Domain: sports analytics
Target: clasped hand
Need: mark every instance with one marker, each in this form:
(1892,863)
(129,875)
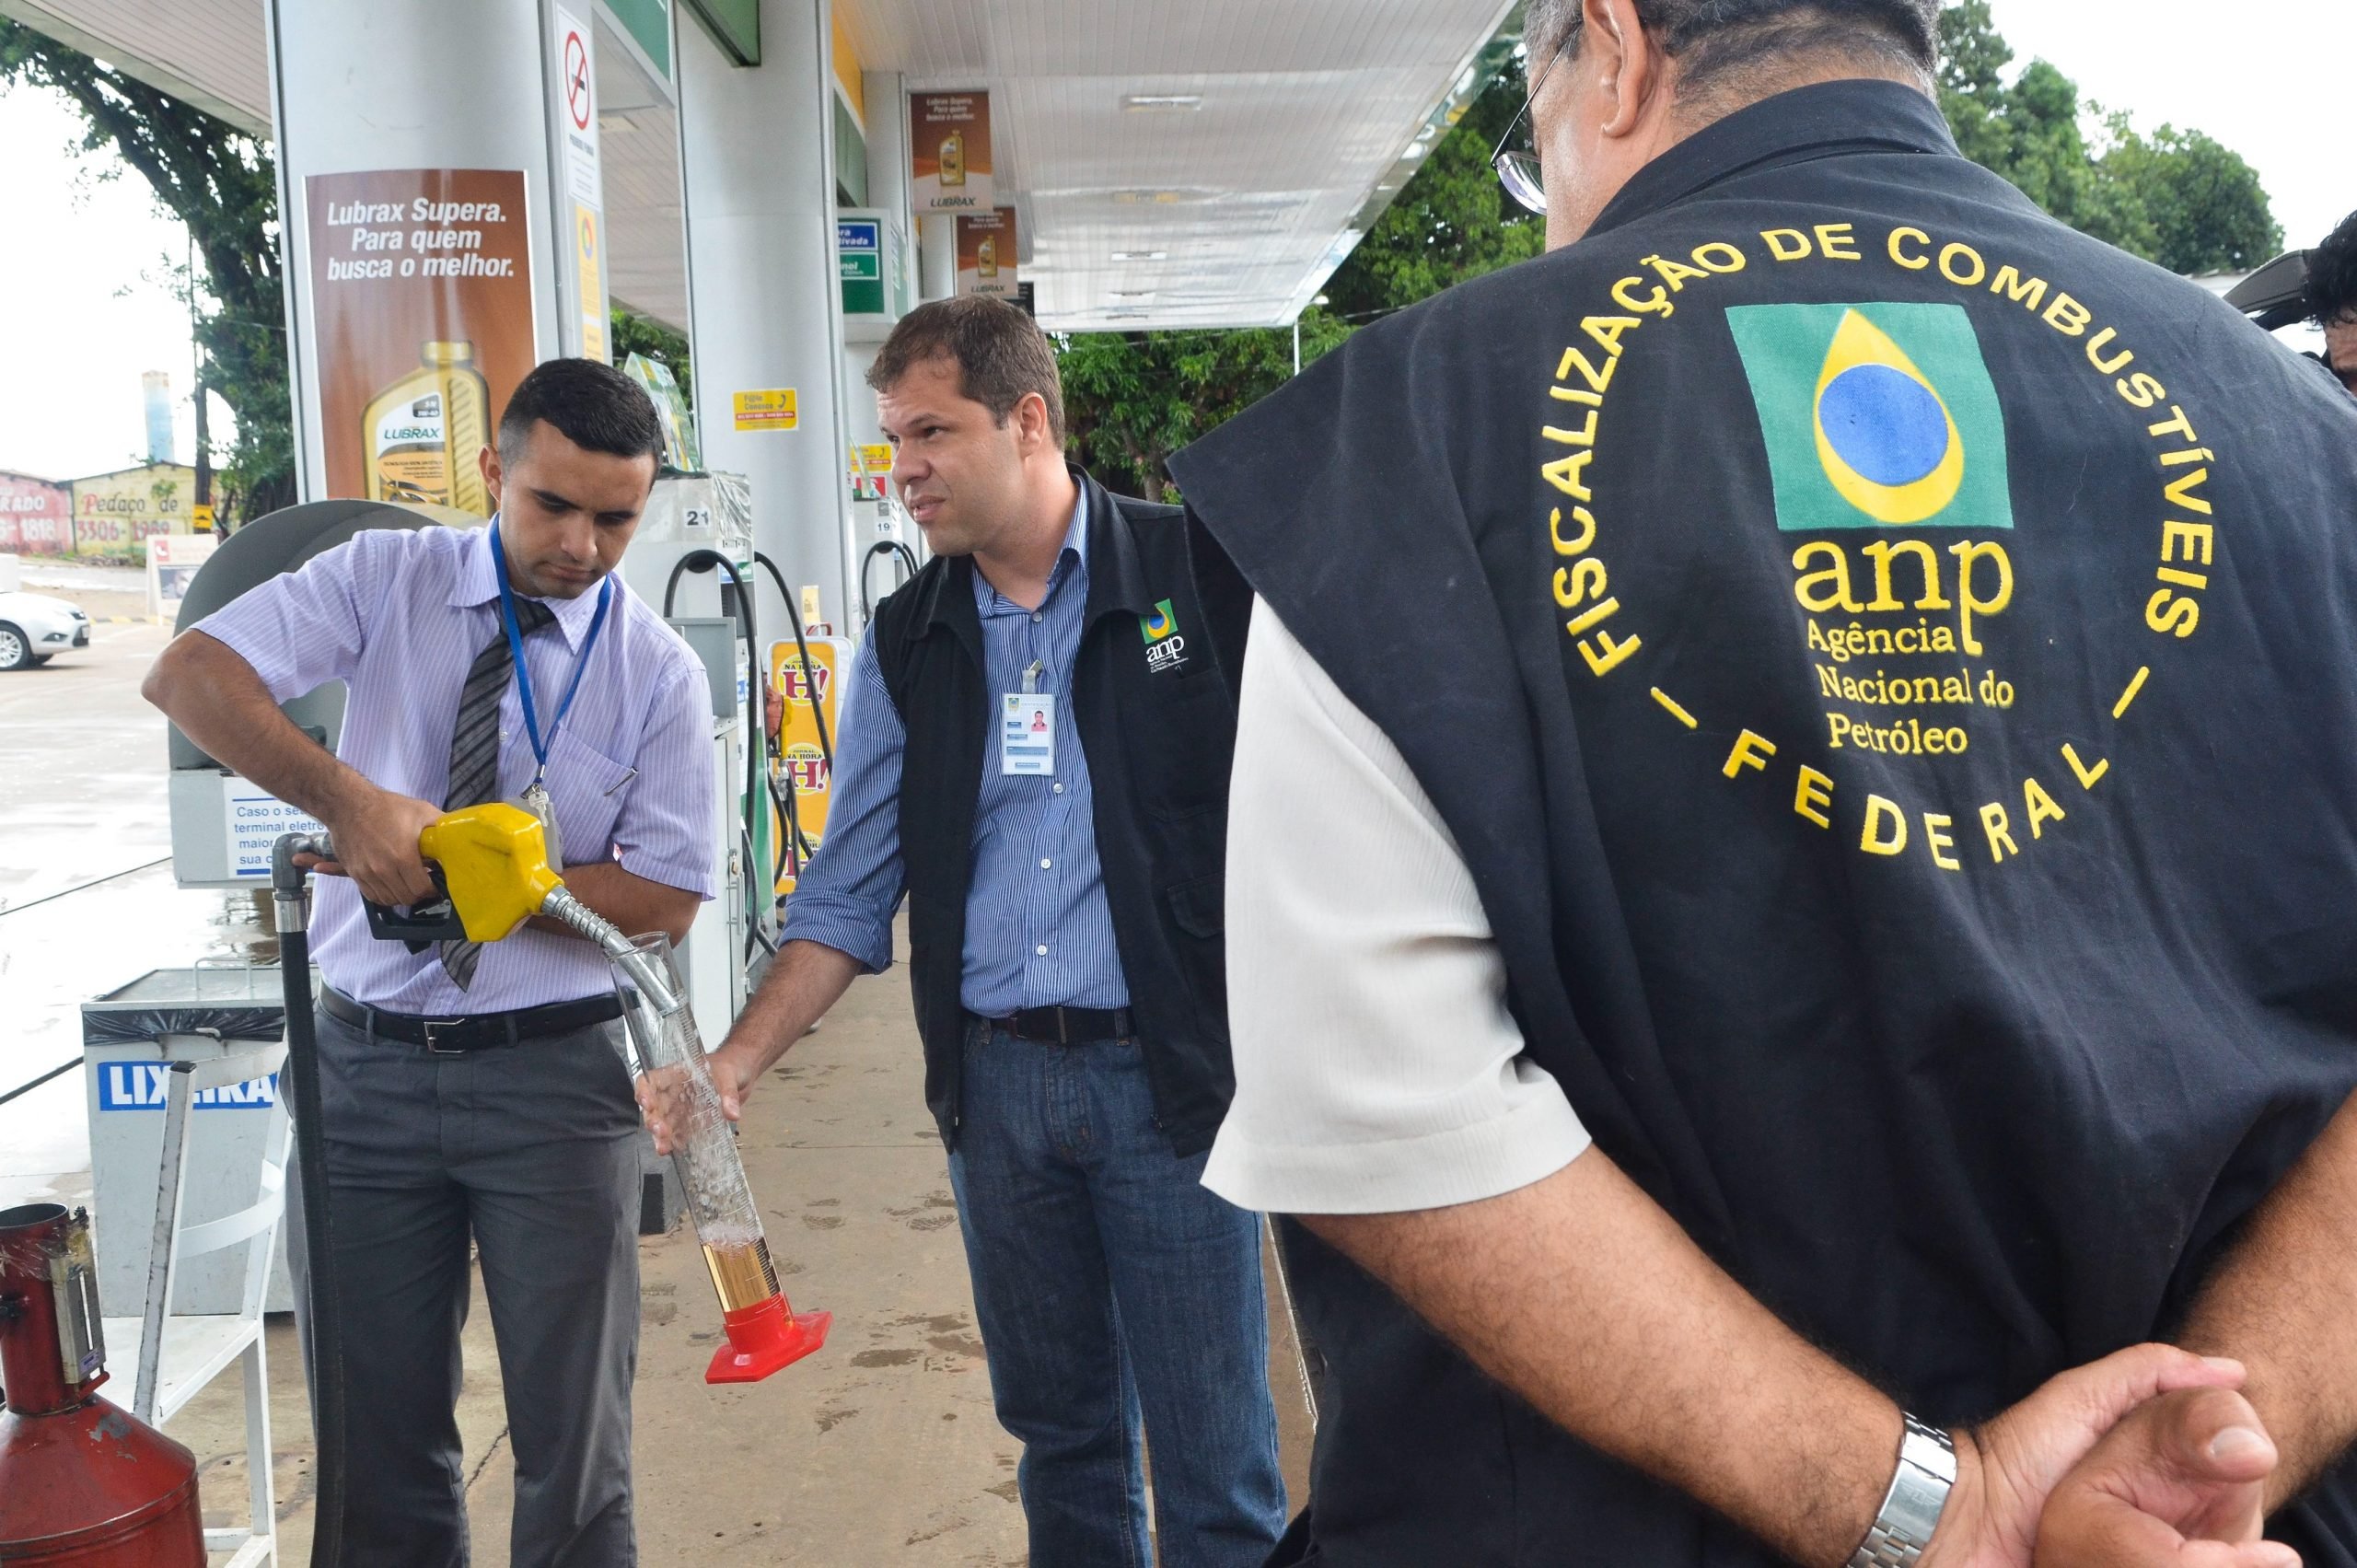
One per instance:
(2148,1458)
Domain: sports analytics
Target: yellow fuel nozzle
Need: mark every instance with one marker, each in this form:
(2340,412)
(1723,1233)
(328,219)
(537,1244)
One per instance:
(495,864)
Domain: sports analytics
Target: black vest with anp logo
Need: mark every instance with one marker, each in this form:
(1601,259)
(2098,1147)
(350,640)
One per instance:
(1896,693)
(1155,701)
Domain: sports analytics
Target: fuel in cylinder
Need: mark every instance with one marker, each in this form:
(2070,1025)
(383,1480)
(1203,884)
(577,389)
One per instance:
(764,1332)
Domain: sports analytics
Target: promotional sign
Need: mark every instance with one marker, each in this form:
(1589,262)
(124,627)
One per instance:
(775,408)
(949,151)
(574,56)
(801,758)
(173,560)
(421,308)
(112,512)
(986,253)
(36,516)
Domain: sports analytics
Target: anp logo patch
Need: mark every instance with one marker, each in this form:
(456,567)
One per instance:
(1161,623)
(1876,415)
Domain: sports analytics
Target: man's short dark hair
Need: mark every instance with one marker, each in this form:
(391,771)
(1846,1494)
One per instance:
(1000,354)
(2332,276)
(592,405)
(1715,41)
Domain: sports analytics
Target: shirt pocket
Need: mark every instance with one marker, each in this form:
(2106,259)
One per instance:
(588,788)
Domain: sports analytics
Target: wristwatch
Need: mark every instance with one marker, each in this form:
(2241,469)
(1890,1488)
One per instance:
(1918,1493)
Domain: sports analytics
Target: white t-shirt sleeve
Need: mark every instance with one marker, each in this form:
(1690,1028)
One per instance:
(1377,1069)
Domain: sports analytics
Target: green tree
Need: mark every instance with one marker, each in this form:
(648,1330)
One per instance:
(1134,398)
(1453,222)
(222,184)
(2176,198)
(2203,204)
(634,333)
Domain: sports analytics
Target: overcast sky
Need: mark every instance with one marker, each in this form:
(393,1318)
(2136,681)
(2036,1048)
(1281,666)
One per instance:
(84,263)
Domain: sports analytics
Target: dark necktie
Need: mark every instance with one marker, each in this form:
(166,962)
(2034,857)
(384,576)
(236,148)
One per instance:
(474,749)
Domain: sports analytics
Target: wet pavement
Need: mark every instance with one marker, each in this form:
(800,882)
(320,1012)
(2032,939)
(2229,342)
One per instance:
(87,899)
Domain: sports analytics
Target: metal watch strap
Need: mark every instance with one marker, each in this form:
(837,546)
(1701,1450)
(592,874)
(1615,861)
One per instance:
(1919,1492)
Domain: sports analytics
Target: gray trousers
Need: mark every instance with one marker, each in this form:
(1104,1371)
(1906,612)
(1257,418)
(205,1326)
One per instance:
(531,1151)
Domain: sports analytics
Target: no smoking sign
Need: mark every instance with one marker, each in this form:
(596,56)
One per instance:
(578,84)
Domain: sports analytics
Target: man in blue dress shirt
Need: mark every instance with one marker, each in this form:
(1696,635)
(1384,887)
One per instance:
(1036,752)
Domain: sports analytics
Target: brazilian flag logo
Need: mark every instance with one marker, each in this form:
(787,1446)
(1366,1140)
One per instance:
(1876,416)
(1161,623)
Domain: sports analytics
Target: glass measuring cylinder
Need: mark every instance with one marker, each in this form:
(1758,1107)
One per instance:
(764,1332)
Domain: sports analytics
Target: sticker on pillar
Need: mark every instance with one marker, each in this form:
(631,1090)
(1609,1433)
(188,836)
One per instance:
(772,410)
(589,281)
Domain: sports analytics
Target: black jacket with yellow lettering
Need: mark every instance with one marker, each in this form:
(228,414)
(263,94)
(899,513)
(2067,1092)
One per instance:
(1889,661)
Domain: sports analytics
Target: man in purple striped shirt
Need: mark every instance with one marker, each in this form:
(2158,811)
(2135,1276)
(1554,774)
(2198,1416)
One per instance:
(480,1091)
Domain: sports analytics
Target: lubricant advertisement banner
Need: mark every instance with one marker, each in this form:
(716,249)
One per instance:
(949,149)
(422,301)
(986,253)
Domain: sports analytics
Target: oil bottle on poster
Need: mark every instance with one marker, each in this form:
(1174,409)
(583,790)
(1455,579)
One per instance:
(953,159)
(421,433)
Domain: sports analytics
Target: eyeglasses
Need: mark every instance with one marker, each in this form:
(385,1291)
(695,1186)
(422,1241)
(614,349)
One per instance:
(1518,171)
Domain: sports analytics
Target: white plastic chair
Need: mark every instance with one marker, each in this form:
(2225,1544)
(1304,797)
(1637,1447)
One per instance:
(178,1354)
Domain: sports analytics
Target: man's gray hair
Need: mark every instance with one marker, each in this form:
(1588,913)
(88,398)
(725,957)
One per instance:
(1714,40)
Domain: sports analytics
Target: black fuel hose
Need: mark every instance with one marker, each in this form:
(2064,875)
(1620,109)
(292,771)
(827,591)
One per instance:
(885,546)
(326,1363)
(802,644)
(757,741)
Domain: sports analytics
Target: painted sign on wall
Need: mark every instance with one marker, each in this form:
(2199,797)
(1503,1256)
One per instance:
(36,516)
(112,512)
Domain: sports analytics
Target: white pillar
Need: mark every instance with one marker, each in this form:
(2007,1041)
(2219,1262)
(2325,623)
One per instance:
(381,85)
(885,94)
(937,256)
(758,172)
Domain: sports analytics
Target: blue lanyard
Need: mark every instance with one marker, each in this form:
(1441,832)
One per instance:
(523,671)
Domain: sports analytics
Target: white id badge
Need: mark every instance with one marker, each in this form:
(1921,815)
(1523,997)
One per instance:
(1026,735)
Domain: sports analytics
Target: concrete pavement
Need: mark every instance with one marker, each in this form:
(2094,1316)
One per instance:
(881,1449)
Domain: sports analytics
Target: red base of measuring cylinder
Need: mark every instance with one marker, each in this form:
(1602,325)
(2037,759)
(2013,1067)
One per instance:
(764,1337)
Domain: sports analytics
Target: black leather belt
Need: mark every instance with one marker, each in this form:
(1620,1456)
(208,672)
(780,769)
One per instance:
(1068,1026)
(477,1031)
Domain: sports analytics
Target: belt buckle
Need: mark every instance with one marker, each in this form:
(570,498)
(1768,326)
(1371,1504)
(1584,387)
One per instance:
(434,1047)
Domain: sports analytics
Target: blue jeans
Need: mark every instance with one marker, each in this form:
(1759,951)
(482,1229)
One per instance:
(1110,1284)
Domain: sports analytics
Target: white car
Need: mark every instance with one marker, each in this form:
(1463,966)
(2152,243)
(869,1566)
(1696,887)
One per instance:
(34,627)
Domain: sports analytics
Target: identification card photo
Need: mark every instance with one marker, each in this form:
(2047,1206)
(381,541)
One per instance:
(1026,735)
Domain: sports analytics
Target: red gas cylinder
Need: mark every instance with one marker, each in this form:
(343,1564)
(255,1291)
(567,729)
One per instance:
(81,1481)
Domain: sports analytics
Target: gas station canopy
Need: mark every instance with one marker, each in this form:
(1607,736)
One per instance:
(1173,162)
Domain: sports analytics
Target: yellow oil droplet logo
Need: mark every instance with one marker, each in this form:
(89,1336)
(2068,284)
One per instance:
(1885,435)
